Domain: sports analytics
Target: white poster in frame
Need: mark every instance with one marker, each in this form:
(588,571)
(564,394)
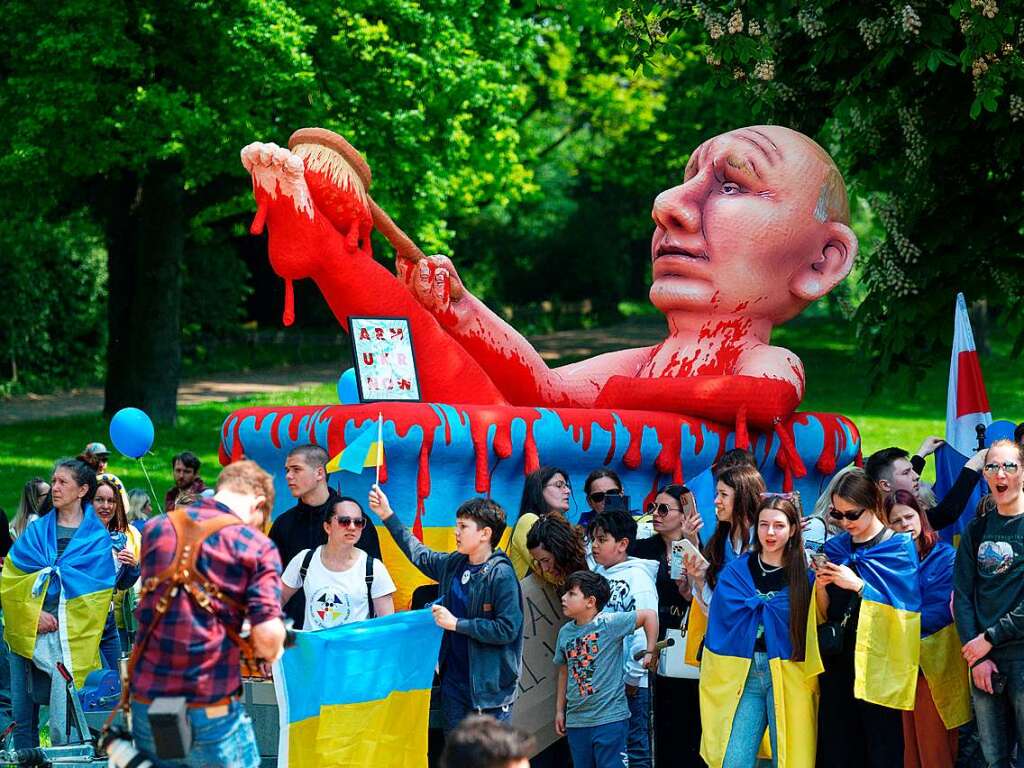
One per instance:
(385,362)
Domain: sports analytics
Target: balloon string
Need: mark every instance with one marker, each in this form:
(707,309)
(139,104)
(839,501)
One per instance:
(155,497)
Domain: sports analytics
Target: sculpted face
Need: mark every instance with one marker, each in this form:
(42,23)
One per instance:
(749,231)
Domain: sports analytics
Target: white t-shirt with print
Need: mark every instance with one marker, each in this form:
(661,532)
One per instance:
(336,597)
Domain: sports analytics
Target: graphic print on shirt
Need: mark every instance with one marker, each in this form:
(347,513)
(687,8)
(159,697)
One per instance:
(331,607)
(621,600)
(581,653)
(995,557)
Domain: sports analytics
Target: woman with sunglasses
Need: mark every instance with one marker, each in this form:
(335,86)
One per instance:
(760,655)
(989,604)
(599,485)
(546,491)
(943,701)
(340,584)
(867,590)
(676,699)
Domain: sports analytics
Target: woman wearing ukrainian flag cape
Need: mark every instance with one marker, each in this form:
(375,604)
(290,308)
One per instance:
(869,594)
(943,701)
(56,588)
(760,664)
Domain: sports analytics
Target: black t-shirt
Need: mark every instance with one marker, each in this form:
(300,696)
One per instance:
(302,527)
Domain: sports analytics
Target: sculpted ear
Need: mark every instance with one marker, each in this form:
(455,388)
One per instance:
(828,266)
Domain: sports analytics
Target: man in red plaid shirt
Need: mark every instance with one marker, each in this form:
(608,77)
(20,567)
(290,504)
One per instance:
(189,651)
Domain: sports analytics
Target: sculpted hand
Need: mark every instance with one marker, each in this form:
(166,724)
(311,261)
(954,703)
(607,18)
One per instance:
(444,618)
(982,675)
(976,649)
(435,282)
(379,503)
(47,623)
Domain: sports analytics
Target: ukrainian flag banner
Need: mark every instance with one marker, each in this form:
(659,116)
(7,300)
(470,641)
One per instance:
(887,650)
(83,577)
(737,611)
(358,694)
(941,662)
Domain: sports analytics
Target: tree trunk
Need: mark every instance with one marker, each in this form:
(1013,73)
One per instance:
(145,225)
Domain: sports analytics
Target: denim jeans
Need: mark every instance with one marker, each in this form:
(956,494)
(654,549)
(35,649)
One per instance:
(755,712)
(638,742)
(110,643)
(226,741)
(23,709)
(456,706)
(6,714)
(599,746)
(1000,717)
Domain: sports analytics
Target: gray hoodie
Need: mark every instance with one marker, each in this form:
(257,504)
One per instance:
(633,589)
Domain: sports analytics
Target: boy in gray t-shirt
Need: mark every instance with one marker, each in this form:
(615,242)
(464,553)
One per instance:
(591,708)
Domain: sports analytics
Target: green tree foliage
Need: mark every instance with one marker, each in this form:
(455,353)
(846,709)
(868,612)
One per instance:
(921,103)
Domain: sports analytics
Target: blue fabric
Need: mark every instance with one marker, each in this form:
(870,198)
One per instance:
(456,668)
(936,576)
(110,644)
(948,463)
(599,746)
(638,742)
(455,706)
(216,742)
(1000,717)
(24,710)
(754,713)
(889,569)
(6,716)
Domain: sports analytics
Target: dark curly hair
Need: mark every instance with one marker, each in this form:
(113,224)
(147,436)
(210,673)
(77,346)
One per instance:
(563,540)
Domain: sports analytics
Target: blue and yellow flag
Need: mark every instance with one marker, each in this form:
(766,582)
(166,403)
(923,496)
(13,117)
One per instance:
(941,662)
(737,611)
(358,694)
(83,577)
(364,451)
(887,650)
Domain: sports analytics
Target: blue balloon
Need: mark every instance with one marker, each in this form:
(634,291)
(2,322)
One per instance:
(131,432)
(348,390)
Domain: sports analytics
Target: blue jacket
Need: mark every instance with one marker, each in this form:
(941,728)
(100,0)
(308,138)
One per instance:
(495,623)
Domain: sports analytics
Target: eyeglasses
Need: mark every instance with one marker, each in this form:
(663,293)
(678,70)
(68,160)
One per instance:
(661,510)
(351,522)
(598,496)
(1009,467)
(855,514)
(559,484)
(789,496)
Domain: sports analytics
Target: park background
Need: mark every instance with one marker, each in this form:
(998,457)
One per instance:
(526,139)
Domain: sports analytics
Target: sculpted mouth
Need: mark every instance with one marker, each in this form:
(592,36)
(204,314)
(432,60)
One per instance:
(669,249)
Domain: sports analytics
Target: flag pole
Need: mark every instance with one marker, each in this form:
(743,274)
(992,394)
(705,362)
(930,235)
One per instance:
(380,444)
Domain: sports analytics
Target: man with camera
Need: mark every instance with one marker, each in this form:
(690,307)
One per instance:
(206,570)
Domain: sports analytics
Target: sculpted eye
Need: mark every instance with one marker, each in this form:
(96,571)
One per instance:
(731,188)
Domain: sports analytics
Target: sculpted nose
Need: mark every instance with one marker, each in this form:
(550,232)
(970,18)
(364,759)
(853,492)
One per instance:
(677,208)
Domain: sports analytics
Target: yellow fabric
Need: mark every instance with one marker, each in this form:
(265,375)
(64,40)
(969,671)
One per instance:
(947,675)
(722,679)
(405,575)
(696,628)
(84,632)
(135,545)
(517,550)
(384,733)
(887,655)
(21,610)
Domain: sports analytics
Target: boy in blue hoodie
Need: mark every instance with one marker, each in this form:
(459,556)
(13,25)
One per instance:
(632,583)
(479,606)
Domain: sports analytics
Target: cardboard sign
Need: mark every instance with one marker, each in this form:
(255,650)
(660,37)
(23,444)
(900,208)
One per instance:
(534,710)
(385,363)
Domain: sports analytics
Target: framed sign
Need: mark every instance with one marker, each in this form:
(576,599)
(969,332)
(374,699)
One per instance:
(385,362)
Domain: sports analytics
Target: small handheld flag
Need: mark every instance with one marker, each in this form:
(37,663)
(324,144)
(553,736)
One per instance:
(362,452)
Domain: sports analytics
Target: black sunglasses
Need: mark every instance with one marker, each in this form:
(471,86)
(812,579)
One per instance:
(835,514)
(351,522)
(598,496)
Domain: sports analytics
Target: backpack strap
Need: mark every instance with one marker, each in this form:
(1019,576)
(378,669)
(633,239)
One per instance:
(304,568)
(369,586)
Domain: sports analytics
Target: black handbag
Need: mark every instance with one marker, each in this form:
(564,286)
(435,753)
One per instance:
(832,634)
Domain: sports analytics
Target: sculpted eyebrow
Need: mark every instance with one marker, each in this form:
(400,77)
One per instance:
(756,145)
(743,165)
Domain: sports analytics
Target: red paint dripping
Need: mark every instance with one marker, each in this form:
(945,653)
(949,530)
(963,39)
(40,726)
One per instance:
(633,456)
(503,439)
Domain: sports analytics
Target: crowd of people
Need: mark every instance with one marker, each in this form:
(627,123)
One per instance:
(680,647)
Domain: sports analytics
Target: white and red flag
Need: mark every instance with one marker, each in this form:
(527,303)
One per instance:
(966,400)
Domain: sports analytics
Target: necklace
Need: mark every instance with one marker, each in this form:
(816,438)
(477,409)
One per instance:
(766,571)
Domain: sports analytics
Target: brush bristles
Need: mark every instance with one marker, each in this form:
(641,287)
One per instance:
(331,164)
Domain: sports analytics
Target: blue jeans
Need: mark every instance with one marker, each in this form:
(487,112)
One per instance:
(455,706)
(110,643)
(23,709)
(755,711)
(6,714)
(226,741)
(638,742)
(1000,717)
(599,746)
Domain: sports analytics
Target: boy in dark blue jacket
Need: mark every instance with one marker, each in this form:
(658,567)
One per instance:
(479,606)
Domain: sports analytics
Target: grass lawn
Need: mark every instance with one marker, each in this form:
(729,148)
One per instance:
(837,381)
